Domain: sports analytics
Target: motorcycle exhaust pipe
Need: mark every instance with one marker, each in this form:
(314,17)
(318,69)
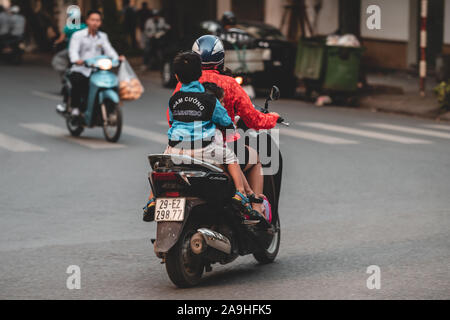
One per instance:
(206,237)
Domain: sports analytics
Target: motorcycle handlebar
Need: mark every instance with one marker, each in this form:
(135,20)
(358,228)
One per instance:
(280,120)
(283,122)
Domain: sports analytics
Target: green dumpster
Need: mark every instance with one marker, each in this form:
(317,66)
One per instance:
(328,68)
(310,55)
(342,68)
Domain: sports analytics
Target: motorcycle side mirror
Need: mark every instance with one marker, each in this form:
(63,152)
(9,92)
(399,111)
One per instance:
(273,96)
(274,93)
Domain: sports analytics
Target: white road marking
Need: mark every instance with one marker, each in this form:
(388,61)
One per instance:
(412,130)
(54,131)
(437,126)
(146,134)
(364,133)
(17,145)
(163,123)
(315,137)
(46,95)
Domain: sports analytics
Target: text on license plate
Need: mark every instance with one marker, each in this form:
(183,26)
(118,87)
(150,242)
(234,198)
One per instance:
(171,209)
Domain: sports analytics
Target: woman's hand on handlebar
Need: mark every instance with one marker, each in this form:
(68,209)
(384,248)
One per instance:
(275,114)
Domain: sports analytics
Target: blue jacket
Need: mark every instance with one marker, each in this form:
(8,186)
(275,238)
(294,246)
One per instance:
(194,114)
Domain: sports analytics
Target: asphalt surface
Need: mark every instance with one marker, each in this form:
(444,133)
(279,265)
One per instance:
(364,193)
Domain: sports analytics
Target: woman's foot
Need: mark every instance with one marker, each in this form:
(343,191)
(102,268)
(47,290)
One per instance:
(257,202)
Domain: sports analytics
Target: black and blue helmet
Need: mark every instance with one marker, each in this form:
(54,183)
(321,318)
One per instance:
(211,50)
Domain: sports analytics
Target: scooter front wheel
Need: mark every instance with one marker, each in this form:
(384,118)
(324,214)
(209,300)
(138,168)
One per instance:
(112,126)
(74,127)
(269,255)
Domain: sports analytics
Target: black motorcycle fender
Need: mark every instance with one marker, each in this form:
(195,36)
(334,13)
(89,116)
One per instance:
(168,233)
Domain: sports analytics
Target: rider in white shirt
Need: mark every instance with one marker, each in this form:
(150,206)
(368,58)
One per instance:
(86,44)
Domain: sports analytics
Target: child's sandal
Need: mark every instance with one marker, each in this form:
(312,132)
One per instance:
(149,210)
(241,202)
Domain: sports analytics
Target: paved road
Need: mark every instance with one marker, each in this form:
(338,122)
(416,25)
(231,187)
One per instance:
(359,189)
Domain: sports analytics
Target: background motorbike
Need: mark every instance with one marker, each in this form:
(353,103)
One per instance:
(196,224)
(12,50)
(102,105)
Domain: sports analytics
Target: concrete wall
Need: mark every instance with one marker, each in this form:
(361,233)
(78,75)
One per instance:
(326,22)
(390,46)
(447,22)
(223,6)
(394,20)
(385,54)
(274,12)
(328,18)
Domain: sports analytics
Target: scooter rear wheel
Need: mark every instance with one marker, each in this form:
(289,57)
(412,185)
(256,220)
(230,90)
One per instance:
(184,268)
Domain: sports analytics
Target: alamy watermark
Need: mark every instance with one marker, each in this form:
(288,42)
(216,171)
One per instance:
(374,280)
(73,282)
(373,22)
(250,147)
(73,17)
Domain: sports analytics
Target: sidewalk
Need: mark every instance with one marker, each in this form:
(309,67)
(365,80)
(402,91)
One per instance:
(399,93)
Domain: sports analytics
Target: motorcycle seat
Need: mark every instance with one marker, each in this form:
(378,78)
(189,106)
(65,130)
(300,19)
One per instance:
(172,160)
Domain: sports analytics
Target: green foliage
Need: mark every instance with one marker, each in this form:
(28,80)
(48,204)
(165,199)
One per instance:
(443,93)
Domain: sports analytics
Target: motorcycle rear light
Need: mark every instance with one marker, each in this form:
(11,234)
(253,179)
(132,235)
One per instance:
(164,176)
(172,194)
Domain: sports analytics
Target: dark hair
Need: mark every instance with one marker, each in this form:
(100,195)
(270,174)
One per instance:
(91,12)
(225,71)
(214,89)
(187,66)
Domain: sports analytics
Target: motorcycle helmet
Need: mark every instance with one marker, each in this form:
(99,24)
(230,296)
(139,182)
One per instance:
(228,19)
(211,50)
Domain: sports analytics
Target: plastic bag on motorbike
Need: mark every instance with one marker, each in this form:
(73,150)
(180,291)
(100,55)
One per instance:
(130,88)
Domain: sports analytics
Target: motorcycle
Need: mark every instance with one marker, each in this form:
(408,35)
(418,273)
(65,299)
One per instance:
(102,103)
(196,224)
(12,50)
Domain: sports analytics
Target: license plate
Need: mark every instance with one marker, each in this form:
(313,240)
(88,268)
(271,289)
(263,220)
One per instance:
(171,209)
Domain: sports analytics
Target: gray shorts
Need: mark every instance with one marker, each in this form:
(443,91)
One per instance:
(213,153)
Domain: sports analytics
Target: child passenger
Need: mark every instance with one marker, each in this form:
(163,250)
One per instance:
(195,115)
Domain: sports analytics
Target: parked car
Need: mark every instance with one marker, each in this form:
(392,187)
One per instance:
(257,54)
